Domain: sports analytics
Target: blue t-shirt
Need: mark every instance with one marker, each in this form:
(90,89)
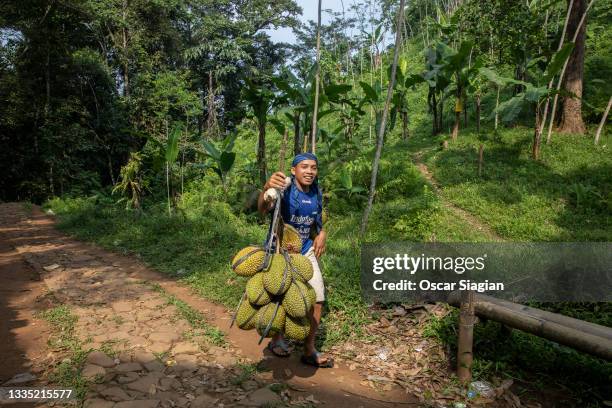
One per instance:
(302,210)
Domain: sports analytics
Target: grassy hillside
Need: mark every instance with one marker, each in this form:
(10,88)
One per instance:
(565,196)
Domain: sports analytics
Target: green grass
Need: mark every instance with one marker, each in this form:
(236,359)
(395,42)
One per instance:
(62,322)
(247,371)
(565,196)
(562,197)
(196,244)
(68,372)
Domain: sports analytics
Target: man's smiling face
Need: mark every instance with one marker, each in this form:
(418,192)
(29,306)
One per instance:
(305,172)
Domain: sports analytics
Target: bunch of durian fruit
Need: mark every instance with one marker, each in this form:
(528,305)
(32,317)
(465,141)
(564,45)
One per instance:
(278,297)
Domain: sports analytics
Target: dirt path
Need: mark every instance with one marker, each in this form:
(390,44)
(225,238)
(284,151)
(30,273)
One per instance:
(460,212)
(142,352)
(23,337)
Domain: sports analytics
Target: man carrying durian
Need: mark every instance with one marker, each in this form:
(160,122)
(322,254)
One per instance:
(302,208)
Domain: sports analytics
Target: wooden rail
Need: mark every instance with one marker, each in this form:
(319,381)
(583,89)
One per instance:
(584,336)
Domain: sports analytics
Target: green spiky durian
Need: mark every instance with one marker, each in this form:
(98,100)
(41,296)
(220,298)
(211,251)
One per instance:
(312,294)
(266,314)
(292,241)
(246,315)
(278,277)
(301,267)
(248,261)
(256,293)
(297,302)
(297,328)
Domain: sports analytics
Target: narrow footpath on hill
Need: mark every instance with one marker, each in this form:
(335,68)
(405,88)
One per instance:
(458,211)
(144,340)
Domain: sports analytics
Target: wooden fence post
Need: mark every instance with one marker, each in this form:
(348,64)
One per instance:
(466,337)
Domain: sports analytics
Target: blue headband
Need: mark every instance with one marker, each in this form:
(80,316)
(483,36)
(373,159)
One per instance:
(303,156)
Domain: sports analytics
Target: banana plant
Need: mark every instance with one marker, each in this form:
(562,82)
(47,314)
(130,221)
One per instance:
(461,72)
(346,186)
(223,157)
(373,96)
(500,83)
(536,92)
(437,81)
(297,97)
(297,100)
(404,83)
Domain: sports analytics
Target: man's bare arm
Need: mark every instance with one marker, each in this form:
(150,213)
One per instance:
(319,243)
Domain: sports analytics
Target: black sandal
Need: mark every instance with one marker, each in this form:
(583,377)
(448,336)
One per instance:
(313,358)
(286,350)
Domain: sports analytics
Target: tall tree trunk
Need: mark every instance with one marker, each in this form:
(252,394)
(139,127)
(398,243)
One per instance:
(571,115)
(537,135)
(126,81)
(550,84)
(562,74)
(465,111)
(434,108)
(168,174)
(168,187)
(496,107)
(440,113)
(383,121)
(283,151)
(603,121)
(124,35)
(455,132)
(211,119)
(202,115)
(405,132)
(51,180)
(47,84)
(458,109)
(35,132)
(261,152)
(478,114)
(296,133)
(182,163)
(517,75)
(313,143)
(109,162)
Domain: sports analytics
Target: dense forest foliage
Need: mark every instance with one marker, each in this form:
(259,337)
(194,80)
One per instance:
(150,126)
(89,87)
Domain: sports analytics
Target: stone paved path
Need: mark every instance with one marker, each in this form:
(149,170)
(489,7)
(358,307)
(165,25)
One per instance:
(141,353)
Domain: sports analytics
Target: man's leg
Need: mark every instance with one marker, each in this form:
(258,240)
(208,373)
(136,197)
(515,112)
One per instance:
(309,343)
(314,315)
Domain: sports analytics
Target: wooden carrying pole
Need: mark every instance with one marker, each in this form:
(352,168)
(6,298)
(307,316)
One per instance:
(281,168)
(584,336)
